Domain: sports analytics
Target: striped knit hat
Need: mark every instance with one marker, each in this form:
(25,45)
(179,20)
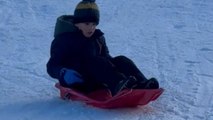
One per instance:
(86,11)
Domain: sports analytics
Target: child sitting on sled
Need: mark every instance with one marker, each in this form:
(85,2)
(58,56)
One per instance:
(79,56)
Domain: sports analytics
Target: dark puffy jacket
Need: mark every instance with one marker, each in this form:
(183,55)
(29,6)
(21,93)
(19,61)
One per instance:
(70,49)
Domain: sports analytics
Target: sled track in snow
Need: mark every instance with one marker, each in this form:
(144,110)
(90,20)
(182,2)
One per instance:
(191,83)
(205,55)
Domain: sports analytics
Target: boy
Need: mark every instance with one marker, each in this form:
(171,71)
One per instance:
(80,58)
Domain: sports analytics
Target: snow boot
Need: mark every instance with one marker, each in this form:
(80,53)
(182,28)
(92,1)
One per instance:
(148,84)
(124,84)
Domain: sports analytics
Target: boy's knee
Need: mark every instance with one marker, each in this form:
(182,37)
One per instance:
(121,58)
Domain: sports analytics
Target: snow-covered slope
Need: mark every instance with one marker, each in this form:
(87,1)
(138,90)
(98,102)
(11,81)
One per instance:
(170,40)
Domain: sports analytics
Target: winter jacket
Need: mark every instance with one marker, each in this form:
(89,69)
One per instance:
(70,49)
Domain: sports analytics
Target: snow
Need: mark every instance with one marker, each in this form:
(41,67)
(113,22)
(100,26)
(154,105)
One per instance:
(167,39)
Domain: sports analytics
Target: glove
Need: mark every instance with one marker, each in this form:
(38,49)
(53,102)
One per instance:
(71,76)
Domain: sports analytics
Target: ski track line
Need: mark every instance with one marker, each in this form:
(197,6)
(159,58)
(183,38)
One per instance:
(201,93)
(26,11)
(205,96)
(4,9)
(33,73)
(5,13)
(166,67)
(196,91)
(177,87)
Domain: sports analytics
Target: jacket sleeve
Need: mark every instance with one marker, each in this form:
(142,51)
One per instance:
(57,52)
(105,50)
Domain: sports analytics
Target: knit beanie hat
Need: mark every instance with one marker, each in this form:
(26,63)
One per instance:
(86,11)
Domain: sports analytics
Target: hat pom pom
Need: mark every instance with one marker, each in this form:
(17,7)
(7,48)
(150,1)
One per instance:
(89,0)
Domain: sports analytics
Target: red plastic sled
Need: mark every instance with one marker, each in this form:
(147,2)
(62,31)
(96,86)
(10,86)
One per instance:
(103,98)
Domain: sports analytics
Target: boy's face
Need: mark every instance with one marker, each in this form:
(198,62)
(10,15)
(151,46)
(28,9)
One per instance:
(87,28)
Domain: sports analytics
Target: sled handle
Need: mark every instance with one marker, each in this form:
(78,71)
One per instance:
(121,94)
